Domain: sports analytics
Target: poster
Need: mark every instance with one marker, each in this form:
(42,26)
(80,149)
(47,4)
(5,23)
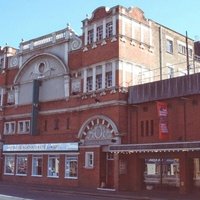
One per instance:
(163,120)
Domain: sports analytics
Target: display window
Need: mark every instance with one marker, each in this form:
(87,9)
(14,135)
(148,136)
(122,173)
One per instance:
(37,163)
(9,165)
(53,166)
(71,166)
(21,168)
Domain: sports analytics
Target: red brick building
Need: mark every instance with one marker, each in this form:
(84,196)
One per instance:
(74,107)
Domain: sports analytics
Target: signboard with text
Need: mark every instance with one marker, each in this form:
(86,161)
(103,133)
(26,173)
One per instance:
(41,147)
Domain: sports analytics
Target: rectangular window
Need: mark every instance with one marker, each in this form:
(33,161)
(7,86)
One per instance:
(9,165)
(89,84)
(53,166)
(109,79)
(21,168)
(71,166)
(89,159)
(37,165)
(9,127)
(24,126)
(181,49)
(99,82)
(90,36)
(169,46)
(109,29)
(99,33)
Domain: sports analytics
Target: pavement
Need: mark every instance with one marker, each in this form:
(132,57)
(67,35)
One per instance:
(125,195)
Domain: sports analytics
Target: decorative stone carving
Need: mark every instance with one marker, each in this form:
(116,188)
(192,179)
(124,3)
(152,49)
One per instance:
(42,68)
(76,44)
(14,61)
(98,131)
(76,86)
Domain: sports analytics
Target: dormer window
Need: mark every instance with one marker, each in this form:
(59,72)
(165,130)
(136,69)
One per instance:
(99,33)
(90,36)
(109,29)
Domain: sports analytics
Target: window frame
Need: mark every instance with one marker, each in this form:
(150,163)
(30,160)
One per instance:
(25,158)
(99,33)
(89,160)
(55,172)
(11,167)
(89,83)
(169,45)
(11,130)
(34,167)
(68,160)
(109,78)
(24,128)
(182,49)
(109,29)
(90,36)
(98,81)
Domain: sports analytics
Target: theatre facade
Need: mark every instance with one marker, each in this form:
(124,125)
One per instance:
(101,106)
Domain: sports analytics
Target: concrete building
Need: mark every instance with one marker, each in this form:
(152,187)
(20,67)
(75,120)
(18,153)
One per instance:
(66,101)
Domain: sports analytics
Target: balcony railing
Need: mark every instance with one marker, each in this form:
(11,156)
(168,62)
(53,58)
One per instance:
(46,40)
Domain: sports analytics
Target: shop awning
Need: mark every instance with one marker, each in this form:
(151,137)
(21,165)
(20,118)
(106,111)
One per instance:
(156,147)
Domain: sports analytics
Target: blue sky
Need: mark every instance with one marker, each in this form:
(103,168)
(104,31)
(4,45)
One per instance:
(30,19)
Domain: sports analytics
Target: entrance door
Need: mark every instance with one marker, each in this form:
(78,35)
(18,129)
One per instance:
(162,173)
(110,170)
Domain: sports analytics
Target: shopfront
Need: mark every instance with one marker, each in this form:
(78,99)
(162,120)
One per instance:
(39,162)
(160,166)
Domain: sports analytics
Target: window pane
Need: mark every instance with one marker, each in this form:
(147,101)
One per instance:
(109,29)
(9,165)
(37,166)
(71,167)
(169,47)
(89,84)
(27,128)
(53,166)
(99,33)
(90,37)
(99,82)
(89,159)
(21,165)
(109,79)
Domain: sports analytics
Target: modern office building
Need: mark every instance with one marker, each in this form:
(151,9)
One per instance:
(73,107)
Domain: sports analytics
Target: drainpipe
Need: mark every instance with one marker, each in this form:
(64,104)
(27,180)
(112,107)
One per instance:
(160,51)
(187,55)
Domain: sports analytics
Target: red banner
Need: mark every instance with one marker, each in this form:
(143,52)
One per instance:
(163,120)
